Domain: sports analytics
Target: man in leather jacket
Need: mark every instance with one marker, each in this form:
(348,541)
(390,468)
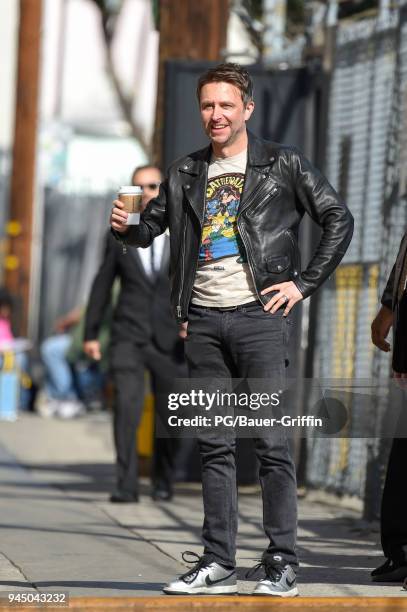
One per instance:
(233,211)
(393,523)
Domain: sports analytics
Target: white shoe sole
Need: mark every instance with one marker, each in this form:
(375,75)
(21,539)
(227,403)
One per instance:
(213,590)
(291,593)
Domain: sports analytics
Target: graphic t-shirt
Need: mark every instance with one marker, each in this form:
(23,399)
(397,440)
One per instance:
(223,277)
(220,236)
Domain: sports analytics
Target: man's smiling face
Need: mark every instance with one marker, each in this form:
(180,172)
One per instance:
(223,113)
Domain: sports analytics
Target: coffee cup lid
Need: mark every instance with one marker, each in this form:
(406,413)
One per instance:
(131,189)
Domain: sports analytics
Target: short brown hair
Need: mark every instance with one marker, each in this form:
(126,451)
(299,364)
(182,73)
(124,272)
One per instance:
(231,73)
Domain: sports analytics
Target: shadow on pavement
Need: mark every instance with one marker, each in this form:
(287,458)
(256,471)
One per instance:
(91,584)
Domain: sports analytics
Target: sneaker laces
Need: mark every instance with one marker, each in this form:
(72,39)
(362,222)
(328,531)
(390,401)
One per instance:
(200,563)
(273,571)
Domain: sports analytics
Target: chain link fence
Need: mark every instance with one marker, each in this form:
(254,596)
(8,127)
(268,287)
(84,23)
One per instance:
(73,228)
(75,225)
(366,162)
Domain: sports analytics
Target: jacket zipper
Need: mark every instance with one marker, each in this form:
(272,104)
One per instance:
(244,237)
(268,195)
(196,264)
(249,252)
(121,241)
(297,262)
(179,309)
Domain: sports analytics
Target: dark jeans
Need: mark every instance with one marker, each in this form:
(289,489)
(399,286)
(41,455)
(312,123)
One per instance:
(128,364)
(245,343)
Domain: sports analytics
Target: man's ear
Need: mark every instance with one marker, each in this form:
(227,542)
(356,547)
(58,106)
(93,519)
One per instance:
(249,110)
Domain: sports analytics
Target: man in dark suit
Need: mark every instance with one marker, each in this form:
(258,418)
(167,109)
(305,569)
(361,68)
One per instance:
(144,335)
(393,312)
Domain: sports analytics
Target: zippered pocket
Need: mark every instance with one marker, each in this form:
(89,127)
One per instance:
(254,207)
(296,255)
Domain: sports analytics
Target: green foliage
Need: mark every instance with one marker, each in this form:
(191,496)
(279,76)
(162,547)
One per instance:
(347,8)
(109,6)
(109,10)
(155,6)
(254,8)
(295,11)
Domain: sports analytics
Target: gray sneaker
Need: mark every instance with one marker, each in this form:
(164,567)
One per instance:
(280,580)
(205,578)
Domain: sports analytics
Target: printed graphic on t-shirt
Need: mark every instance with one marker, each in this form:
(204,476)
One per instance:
(220,236)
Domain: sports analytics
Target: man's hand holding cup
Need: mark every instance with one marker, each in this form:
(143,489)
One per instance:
(126,209)
(118,218)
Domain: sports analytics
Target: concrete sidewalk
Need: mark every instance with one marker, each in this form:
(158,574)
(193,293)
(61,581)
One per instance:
(58,532)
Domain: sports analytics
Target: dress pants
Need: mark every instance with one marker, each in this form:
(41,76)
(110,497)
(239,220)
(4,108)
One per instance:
(128,364)
(394,507)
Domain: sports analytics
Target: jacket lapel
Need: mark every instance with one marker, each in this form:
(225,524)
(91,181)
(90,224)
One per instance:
(195,192)
(257,178)
(137,260)
(195,172)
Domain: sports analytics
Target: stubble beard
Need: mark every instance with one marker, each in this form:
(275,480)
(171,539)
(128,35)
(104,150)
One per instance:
(234,135)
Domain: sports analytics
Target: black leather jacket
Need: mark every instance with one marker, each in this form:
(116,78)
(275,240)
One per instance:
(280,186)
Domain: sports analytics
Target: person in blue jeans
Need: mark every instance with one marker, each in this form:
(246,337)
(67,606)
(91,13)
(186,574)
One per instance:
(59,384)
(66,386)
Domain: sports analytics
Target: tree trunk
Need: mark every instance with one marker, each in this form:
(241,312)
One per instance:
(188,30)
(18,262)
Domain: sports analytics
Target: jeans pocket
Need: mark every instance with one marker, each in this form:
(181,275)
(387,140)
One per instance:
(259,313)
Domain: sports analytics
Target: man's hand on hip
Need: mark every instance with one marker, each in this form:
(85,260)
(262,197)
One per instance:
(381,327)
(288,294)
(118,217)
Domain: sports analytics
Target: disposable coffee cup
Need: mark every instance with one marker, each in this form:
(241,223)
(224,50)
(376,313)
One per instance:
(131,198)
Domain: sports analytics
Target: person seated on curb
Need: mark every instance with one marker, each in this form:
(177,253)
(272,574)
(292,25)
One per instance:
(69,381)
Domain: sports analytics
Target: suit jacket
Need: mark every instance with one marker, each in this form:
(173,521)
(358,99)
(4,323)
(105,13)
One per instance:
(142,313)
(399,307)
